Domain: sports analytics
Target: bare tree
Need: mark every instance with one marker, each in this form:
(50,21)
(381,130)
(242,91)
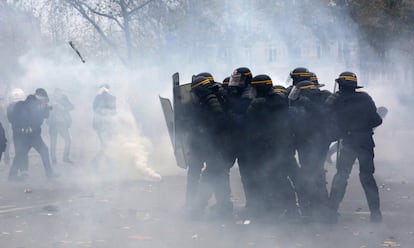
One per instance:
(120,12)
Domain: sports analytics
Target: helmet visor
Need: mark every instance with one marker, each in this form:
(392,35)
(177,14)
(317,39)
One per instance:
(236,80)
(294,93)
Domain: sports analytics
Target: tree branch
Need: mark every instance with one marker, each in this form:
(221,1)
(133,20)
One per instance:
(139,7)
(103,14)
(78,6)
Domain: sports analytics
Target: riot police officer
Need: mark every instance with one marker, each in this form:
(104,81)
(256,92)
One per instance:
(298,75)
(238,99)
(355,115)
(308,121)
(205,140)
(268,137)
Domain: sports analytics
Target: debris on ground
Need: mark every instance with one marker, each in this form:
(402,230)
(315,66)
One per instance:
(389,243)
(50,208)
(139,237)
(28,190)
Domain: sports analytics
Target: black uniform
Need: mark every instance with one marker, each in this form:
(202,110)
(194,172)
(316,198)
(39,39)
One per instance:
(356,116)
(307,113)
(239,96)
(268,138)
(205,141)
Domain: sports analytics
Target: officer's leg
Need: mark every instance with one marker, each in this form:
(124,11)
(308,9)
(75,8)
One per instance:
(213,180)
(304,185)
(321,195)
(53,141)
(42,149)
(331,151)
(248,174)
(220,182)
(195,165)
(282,198)
(222,192)
(64,132)
(291,190)
(366,171)
(346,159)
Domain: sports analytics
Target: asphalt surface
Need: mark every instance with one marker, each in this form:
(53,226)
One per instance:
(85,207)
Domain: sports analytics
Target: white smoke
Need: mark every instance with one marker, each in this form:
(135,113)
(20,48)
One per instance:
(128,148)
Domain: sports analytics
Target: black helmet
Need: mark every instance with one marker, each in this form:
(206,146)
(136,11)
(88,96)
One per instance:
(348,80)
(199,82)
(207,75)
(226,81)
(313,78)
(279,89)
(241,77)
(302,88)
(263,84)
(300,74)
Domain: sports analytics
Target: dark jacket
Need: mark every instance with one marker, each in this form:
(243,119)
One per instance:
(353,112)
(308,114)
(27,116)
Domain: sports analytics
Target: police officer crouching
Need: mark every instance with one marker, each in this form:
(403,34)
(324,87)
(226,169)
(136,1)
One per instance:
(355,115)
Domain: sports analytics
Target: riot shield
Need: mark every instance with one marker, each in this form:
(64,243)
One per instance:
(168,116)
(182,118)
(178,118)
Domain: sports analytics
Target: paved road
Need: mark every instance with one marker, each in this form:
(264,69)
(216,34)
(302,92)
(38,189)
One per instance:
(85,208)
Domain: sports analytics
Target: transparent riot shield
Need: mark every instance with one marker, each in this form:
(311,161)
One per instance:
(178,119)
(168,116)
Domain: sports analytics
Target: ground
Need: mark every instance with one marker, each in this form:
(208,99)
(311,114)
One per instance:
(84,208)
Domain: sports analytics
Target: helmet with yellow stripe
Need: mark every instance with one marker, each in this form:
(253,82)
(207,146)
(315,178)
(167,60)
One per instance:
(241,77)
(208,75)
(300,74)
(263,84)
(313,78)
(302,88)
(200,81)
(348,80)
(280,89)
